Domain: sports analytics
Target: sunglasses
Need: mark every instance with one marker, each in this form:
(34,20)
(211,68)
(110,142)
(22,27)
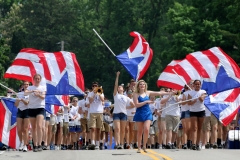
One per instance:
(74,101)
(94,85)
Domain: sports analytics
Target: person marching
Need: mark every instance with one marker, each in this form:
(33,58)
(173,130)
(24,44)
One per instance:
(197,112)
(95,99)
(120,112)
(143,115)
(36,110)
(22,117)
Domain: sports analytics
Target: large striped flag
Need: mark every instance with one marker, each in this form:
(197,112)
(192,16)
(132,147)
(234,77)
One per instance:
(8,121)
(224,105)
(60,69)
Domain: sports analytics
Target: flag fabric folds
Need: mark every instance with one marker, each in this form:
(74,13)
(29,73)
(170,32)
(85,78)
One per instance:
(60,70)
(8,121)
(137,58)
(224,105)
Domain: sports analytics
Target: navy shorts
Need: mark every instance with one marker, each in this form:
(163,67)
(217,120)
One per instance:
(76,128)
(198,114)
(119,116)
(185,114)
(22,114)
(33,113)
(48,119)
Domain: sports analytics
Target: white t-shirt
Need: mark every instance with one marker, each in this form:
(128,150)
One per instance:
(60,117)
(131,112)
(65,114)
(96,106)
(152,107)
(198,106)
(207,112)
(73,111)
(81,104)
(185,107)
(120,103)
(21,105)
(174,110)
(35,101)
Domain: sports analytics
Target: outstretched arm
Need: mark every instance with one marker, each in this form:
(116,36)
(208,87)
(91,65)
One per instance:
(116,83)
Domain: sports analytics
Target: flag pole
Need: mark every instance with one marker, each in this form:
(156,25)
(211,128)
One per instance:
(104,42)
(7,88)
(181,79)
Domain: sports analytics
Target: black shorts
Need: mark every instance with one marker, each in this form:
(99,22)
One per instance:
(198,114)
(48,119)
(22,114)
(33,113)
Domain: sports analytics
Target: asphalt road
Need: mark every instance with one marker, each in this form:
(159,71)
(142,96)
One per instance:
(156,154)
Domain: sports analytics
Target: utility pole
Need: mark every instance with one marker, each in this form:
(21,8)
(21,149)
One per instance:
(62,45)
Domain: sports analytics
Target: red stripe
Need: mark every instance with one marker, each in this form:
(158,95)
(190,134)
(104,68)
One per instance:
(65,99)
(181,71)
(229,118)
(212,57)
(56,108)
(78,72)
(40,54)
(19,77)
(60,60)
(161,83)
(13,137)
(144,70)
(198,66)
(234,65)
(2,118)
(135,41)
(233,96)
(169,69)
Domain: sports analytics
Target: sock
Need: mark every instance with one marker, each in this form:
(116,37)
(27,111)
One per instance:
(101,141)
(223,142)
(83,140)
(93,142)
(218,141)
(87,143)
(106,144)
(97,143)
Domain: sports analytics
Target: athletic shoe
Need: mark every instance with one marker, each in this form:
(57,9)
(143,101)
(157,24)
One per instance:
(220,146)
(128,146)
(96,147)
(39,148)
(198,148)
(35,149)
(194,147)
(20,147)
(119,147)
(215,146)
(173,146)
(168,146)
(185,146)
(25,148)
(207,146)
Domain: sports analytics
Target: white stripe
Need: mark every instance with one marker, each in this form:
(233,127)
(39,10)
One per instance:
(190,70)
(207,65)
(28,56)
(232,107)
(220,97)
(20,70)
(71,70)
(138,49)
(6,126)
(53,68)
(170,77)
(224,61)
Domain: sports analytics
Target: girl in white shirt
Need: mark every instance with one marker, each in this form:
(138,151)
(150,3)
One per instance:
(197,112)
(75,118)
(36,110)
(120,113)
(22,117)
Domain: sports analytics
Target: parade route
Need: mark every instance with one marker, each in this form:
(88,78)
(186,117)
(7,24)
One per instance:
(124,154)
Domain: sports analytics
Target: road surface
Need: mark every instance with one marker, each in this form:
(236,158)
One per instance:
(156,154)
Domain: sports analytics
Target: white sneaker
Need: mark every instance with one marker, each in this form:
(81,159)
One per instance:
(57,148)
(20,147)
(203,147)
(25,148)
(96,147)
